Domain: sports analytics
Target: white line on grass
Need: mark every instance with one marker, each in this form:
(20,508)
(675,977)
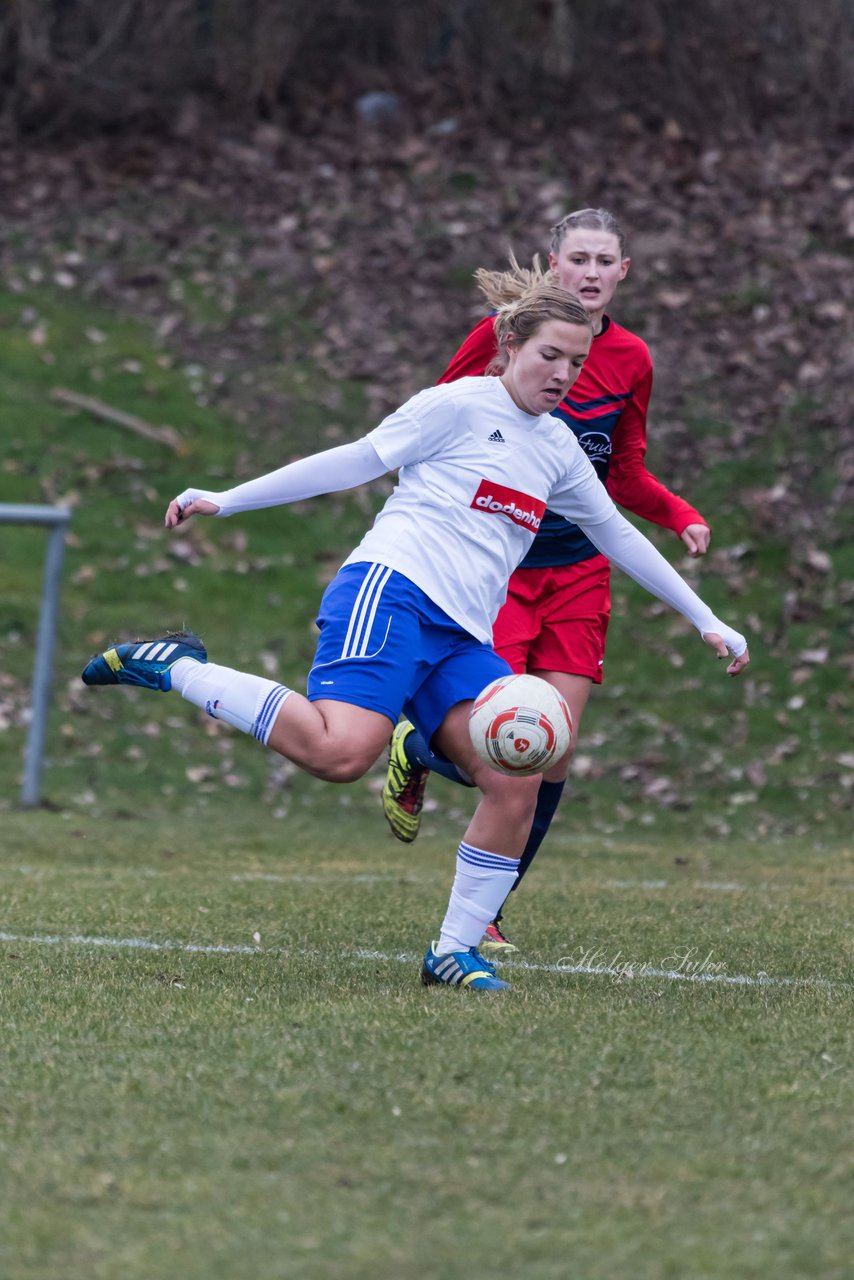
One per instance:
(629,971)
(412,875)
(276,877)
(713,886)
(299,877)
(626,971)
(130,944)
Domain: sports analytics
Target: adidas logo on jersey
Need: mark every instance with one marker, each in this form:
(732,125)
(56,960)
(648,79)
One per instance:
(496,438)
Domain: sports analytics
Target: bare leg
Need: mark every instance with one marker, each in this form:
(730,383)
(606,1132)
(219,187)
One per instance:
(502,819)
(576,690)
(334,741)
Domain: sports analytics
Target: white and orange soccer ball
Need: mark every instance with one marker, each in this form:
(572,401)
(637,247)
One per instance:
(520,725)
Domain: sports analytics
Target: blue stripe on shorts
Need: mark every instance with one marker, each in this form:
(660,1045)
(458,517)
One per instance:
(384,645)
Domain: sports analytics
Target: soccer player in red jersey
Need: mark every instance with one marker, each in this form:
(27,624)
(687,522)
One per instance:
(555,619)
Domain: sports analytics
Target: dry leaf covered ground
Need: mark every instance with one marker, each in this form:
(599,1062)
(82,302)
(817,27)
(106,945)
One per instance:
(357,251)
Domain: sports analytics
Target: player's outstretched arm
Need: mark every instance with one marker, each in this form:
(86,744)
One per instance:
(626,547)
(345,467)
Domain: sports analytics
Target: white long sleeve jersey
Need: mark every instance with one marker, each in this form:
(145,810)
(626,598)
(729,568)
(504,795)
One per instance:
(476,475)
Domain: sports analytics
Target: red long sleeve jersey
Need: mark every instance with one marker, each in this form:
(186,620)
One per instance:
(606,408)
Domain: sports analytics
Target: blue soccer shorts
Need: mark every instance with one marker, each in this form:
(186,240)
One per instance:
(384,645)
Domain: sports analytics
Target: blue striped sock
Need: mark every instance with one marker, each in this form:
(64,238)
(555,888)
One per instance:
(248,703)
(481,884)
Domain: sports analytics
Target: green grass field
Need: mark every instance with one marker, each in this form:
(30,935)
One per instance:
(217,1059)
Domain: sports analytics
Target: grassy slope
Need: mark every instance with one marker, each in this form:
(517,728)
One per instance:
(252,591)
(670,741)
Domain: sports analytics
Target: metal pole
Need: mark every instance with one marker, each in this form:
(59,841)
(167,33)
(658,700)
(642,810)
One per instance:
(43,669)
(59,518)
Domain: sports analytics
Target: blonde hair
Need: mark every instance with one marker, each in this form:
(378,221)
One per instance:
(524,299)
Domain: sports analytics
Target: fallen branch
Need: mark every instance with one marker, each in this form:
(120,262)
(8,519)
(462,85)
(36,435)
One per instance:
(163,435)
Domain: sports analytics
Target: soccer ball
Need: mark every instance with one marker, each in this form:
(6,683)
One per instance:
(520,725)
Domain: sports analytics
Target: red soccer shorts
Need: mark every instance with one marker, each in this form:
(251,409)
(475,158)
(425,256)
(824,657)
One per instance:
(556,619)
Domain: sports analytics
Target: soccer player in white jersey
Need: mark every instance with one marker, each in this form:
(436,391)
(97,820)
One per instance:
(406,625)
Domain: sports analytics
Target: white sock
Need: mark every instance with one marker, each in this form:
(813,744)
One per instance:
(482,882)
(249,703)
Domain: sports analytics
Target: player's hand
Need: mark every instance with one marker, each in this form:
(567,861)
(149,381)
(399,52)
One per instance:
(189,503)
(696,538)
(717,642)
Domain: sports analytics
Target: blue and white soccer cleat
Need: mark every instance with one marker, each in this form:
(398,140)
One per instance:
(460,969)
(144,662)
